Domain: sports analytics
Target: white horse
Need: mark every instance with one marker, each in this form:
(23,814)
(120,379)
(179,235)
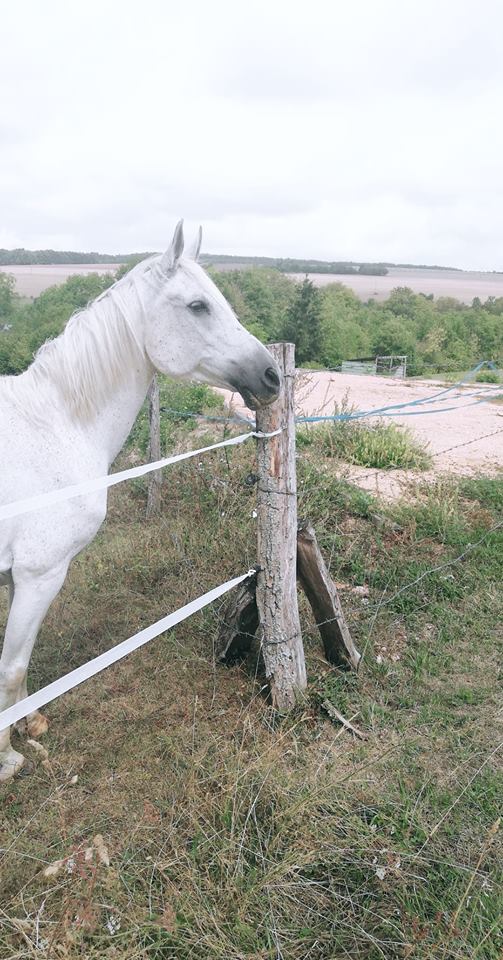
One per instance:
(66,418)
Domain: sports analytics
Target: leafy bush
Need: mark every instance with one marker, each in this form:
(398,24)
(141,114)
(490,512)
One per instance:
(488,376)
(182,398)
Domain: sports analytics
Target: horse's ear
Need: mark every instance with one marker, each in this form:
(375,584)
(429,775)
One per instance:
(170,259)
(196,249)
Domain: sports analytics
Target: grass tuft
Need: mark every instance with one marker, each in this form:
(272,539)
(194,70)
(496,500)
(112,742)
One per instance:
(488,376)
(384,446)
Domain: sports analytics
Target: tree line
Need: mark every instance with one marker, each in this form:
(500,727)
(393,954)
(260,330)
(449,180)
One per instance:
(295,265)
(328,325)
(20,256)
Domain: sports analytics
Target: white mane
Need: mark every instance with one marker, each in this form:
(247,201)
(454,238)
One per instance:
(86,362)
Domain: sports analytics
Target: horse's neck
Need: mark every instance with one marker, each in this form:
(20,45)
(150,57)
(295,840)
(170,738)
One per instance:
(99,371)
(117,412)
(112,425)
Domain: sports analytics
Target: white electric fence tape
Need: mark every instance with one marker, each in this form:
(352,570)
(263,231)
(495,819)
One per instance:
(18,507)
(90,669)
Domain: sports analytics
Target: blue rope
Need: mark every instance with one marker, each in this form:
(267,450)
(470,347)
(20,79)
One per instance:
(392,410)
(383,411)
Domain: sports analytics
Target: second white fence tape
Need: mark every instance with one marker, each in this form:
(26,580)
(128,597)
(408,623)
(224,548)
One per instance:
(51,497)
(44,696)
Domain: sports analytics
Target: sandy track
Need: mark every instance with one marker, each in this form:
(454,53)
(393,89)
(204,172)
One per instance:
(442,429)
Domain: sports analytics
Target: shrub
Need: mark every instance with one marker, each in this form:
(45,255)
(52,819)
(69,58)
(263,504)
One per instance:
(488,376)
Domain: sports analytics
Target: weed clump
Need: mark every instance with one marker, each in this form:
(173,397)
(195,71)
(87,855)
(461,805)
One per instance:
(383,446)
(488,376)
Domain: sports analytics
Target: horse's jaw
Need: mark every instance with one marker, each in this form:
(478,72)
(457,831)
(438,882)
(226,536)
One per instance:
(259,389)
(253,402)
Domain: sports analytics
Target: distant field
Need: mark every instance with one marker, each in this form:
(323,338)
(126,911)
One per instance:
(31,280)
(462,285)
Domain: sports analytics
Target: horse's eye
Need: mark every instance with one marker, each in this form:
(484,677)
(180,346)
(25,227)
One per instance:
(198,306)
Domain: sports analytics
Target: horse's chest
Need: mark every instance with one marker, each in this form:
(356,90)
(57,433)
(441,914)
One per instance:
(36,463)
(35,460)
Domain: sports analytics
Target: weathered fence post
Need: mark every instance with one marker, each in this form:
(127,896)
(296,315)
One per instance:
(239,624)
(277,540)
(324,599)
(155,482)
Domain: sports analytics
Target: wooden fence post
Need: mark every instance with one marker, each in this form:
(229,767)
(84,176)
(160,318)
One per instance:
(324,599)
(281,638)
(154,453)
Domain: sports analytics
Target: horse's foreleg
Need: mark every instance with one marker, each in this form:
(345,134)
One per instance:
(35,724)
(30,603)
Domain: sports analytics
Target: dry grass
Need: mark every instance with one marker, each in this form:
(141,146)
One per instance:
(232,835)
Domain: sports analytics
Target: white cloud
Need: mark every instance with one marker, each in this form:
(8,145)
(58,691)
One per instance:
(362,130)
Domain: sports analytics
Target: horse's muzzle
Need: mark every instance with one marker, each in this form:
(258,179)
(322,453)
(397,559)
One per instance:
(264,391)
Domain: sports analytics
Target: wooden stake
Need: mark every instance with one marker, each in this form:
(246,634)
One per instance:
(324,599)
(155,481)
(277,541)
(240,623)
(335,715)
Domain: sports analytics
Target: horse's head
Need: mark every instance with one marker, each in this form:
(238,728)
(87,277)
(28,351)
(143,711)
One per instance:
(191,332)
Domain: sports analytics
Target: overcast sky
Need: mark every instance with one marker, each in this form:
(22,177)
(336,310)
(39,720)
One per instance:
(362,129)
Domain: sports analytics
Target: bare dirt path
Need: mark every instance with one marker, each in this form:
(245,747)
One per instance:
(457,438)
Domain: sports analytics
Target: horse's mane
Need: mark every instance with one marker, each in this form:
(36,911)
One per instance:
(86,362)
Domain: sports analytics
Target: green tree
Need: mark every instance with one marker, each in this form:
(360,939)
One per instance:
(343,333)
(7,295)
(391,336)
(302,324)
(259,296)
(45,318)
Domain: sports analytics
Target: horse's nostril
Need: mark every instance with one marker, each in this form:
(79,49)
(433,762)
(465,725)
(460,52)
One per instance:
(272,378)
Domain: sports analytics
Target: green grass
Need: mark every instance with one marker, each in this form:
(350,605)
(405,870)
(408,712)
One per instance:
(487,491)
(367,444)
(485,375)
(177,400)
(488,376)
(233,836)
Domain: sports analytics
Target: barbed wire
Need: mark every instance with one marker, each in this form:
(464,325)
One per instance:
(383,471)
(466,443)
(369,608)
